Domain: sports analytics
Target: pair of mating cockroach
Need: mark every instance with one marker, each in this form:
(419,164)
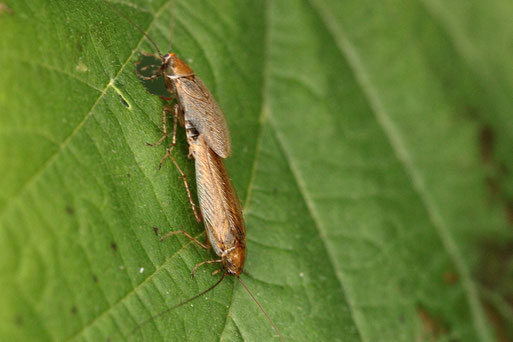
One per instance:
(209,143)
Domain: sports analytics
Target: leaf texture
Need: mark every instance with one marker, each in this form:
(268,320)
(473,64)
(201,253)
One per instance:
(371,147)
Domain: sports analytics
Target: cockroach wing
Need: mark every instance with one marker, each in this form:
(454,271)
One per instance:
(202,110)
(219,203)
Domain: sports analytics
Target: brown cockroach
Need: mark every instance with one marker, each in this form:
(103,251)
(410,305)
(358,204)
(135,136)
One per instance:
(222,215)
(209,142)
(219,205)
(221,210)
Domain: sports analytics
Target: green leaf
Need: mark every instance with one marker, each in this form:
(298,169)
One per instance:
(371,150)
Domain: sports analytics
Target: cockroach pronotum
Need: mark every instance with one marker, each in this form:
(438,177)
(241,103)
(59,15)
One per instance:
(209,142)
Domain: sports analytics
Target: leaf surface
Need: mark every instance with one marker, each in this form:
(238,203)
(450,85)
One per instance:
(364,135)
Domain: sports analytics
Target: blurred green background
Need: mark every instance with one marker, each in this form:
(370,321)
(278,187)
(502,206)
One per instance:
(372,151)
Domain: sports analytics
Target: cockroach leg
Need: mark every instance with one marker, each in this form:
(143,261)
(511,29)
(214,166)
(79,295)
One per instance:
(167,98)
(177,115)
(203,263)
(226,252)
(176,108)
(166,155)
(156,74)
(180,115)
(183,232)
(147,54)
(147,78)
(165,110)
(197,215)
(150,66)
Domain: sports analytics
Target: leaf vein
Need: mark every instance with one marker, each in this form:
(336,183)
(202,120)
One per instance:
(402,154)
(32,179)
(258,147)
(315,217)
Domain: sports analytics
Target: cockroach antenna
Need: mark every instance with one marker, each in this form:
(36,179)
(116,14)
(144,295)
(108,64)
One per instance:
(262,309)
(172,28)
(178,305)
(203,293)
(135,25)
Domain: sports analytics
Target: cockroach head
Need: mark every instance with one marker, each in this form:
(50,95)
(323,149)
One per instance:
(233,262)
(174,66)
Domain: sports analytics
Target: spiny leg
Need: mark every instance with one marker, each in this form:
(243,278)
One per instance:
(183,232)
(147,78)
(203,263)
(217,271)
(197,215)
(167,98)
(179,114)
(176,117)
(155,75)
(165,110)
(176,108)
(150,66)
(148,54)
